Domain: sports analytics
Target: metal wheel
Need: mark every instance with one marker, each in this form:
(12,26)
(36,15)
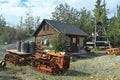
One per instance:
(10,58)
(35,63)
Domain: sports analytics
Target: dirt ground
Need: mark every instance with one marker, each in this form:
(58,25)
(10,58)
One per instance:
(6,76)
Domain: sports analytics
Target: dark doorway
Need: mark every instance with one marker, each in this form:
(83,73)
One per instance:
(74,43)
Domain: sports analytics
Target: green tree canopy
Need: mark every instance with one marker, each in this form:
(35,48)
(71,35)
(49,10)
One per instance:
(59,43)
(86,21)
(114,28)
(64,13)
(100,11)
(82,19)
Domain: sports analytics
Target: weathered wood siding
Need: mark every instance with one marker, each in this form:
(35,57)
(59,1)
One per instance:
(50,30)
(81,41)
(45,34)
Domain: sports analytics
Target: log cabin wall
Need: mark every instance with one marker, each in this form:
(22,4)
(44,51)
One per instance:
(81,42)
(50,29)
(47,32)
(76,42)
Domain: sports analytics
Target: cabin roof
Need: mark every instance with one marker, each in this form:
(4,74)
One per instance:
(61,27)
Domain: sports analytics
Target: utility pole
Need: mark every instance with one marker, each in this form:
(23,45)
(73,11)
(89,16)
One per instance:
(95,35)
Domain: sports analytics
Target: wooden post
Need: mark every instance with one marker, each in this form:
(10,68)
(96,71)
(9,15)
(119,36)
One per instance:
(95,34)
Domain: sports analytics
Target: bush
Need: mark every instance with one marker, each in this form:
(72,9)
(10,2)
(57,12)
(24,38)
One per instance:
(59,43)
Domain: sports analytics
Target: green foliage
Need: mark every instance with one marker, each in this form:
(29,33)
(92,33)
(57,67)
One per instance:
(65,13)
(2,24)
(30,22)
(86,21)
(58,44)
(6,32)
(2,21)
(114,28)
(9,34)
(100,11)
(23,30)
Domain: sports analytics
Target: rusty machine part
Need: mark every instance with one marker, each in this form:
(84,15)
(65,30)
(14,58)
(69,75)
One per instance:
(2,63)
(113,51)
(15,58)
(51,62)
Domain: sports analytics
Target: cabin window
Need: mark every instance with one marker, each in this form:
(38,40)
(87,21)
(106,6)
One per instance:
(81,41)
(74,40)
(46,27)
(46,42)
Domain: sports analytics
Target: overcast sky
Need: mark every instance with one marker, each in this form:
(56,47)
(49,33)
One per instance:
(13,9)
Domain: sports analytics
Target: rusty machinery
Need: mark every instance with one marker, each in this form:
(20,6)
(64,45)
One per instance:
(15,58)
(50,62)
(113,51)
(2,63)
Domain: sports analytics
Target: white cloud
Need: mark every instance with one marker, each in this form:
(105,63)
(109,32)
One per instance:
(79,4)
(13,9)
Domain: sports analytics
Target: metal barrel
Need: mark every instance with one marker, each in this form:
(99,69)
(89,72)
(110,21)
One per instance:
(18,45)
(32,47)
(25,47)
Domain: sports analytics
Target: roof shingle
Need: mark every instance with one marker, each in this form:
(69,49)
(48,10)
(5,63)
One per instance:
(63,27)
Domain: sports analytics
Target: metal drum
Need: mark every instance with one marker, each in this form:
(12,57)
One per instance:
(18,45)
(32,47)
(25,47)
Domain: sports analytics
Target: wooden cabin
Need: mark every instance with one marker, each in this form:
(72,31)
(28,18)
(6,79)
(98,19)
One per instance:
(50,29)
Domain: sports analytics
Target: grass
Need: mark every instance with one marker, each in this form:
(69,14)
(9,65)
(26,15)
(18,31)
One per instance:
(97,66)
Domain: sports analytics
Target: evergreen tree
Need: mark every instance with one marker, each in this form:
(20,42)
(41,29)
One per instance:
(86,21)
(82,19)
(100,11)
(114,28)
(2,24)
(64,13)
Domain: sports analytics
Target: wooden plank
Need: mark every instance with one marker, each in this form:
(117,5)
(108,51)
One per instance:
(14,51)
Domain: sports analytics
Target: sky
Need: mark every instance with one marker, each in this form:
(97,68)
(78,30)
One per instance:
(12,10)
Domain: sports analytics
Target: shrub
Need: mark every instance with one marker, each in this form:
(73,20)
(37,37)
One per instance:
(59,43)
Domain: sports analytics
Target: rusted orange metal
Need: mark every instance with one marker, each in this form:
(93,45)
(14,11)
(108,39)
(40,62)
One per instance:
(15,58)
(52,62)
(113,51)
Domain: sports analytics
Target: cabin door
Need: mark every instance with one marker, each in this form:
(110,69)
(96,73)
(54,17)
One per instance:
(74,43)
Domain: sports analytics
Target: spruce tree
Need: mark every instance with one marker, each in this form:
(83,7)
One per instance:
(100,12)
